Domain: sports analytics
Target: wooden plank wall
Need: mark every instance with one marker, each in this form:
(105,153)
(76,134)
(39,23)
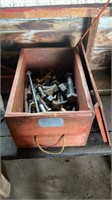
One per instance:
(21,33)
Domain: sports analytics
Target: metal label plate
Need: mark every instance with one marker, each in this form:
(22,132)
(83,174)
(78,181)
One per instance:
(51,122)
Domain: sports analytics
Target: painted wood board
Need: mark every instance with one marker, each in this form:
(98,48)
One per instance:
(54,12)
(16,3)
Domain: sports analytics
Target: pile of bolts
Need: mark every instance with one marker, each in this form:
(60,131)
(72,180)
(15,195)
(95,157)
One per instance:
(51,92)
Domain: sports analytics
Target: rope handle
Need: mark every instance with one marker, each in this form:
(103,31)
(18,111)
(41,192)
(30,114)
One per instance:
(48,152)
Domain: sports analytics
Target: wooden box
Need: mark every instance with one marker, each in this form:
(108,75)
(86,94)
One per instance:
(50,126)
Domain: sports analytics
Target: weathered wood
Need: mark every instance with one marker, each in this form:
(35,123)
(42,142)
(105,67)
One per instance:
(92,85)
(90,39)
(17,25)
(54,11)
(70,24)
(23,3)
(101,59)
(17,40)
(25,33)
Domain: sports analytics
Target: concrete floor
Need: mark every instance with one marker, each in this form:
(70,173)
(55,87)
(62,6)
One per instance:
(84,177)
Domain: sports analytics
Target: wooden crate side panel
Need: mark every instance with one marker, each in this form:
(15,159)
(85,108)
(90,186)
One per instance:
(84,99)
(44,58)
(15,103)
(70,140)
(74,123)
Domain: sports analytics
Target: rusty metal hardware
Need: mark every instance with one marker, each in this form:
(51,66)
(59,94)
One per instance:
(42,108)
(59,96)
(55,86)
(31,106)
(46,76)
(55,104)
(49,91)
(33,91)
(58,106)
(53,96)
(25,98)
(43,102)
(63,109)
(29,94)
(42,93)
(63,88)
(71,96)
(49,99)
(47,80)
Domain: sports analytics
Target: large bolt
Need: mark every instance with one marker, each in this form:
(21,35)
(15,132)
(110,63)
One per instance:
(31,106)
(63,109)
(49,99)
(59,97)
(39,87)
(43,102)
(29,94)
(49,91)
(25,98)
(63,88)
(55,86)
(71,96)
(33,91)
(55,104)
(42,108)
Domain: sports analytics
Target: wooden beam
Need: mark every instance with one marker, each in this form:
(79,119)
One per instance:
(54,11)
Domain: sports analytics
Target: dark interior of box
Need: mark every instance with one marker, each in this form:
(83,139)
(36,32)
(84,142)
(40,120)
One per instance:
(38,61)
